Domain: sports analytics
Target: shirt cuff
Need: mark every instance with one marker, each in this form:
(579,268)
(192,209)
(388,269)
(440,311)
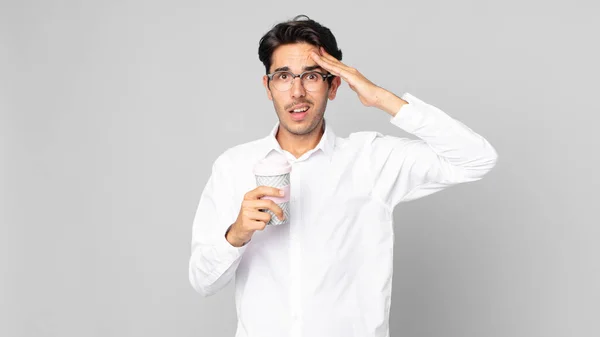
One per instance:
(228,251)
(409,117)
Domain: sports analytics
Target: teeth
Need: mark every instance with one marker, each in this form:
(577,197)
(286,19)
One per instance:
(301,110)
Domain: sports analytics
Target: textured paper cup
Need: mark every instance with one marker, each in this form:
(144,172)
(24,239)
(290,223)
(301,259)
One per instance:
(274,171)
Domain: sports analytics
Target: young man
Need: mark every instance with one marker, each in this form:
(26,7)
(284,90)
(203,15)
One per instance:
(328,272)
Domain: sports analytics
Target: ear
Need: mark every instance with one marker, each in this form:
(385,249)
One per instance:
(266,84)
(335,84)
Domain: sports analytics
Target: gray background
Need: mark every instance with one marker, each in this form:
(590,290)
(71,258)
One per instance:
(113,111)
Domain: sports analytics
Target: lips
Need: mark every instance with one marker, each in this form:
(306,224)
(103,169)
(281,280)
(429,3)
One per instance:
(299,116)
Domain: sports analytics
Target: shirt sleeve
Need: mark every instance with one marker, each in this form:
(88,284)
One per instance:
(446,153)
(213,259)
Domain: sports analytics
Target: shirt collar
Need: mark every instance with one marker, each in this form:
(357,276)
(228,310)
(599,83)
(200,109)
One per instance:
(326,144)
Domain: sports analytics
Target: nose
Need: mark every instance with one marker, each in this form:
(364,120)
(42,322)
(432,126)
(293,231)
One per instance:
(297,89)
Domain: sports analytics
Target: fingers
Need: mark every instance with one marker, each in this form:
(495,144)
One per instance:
(332,60)
(262,191)
(257,205)
(260,225)
(255,220)
(322,61)
(256,215)
(329,57)
(338,68)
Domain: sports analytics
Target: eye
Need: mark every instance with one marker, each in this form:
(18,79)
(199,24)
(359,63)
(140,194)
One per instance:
(282,76)
(312,76)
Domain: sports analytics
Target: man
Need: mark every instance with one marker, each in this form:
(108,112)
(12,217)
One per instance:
(328,271)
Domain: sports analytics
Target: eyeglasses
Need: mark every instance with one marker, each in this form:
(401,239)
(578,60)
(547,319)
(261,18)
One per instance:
(311,80)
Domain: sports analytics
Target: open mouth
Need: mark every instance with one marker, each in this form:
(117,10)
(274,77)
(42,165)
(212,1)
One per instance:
(299,112)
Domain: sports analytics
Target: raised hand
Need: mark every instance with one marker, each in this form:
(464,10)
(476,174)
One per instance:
(368,92)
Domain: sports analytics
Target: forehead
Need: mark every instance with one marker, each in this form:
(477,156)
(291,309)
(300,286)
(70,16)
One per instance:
(296,56)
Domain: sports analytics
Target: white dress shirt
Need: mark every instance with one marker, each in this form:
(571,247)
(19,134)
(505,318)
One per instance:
(328,272)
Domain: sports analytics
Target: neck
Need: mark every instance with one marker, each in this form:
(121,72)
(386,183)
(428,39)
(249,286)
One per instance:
(298,145)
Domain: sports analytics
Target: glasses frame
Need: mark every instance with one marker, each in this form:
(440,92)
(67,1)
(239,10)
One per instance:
(324,76)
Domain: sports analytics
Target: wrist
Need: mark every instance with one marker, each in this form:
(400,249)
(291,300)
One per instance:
(389,102)
(234,239)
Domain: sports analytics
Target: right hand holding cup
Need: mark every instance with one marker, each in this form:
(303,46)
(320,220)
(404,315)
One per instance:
(251,218)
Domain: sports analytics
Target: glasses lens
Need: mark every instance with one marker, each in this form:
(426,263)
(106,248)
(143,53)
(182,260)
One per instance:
(312,80)
(282,80)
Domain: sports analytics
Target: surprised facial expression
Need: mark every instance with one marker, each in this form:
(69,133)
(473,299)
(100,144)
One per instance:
(309,106)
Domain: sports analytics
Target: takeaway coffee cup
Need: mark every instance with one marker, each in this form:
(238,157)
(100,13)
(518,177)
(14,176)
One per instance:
(274,170)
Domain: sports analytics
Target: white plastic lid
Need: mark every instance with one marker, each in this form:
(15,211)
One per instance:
(273,164)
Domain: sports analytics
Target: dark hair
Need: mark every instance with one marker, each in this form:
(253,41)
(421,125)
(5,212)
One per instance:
(295,31)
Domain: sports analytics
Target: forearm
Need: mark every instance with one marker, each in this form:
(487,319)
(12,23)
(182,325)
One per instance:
(389,102)
(212,267)
(447,153)
(213,261)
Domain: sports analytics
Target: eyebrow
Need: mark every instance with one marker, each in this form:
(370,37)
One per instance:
(306,68)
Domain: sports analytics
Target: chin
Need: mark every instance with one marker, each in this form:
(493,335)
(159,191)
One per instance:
(295,129)
(306,127)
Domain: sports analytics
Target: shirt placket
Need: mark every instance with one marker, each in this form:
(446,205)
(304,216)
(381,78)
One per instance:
(296,253)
